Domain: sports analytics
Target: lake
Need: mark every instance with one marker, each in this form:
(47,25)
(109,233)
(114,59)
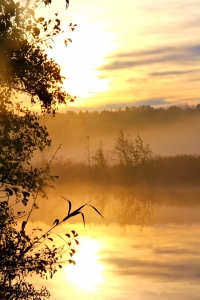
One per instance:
(147,248)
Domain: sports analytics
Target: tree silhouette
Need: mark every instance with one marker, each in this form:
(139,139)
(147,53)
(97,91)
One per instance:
(25,67)
(23,254)
(99,157)
(131,152)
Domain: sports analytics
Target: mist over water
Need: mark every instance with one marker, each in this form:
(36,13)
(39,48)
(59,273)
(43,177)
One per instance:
(147,246)
(139,205)
(166,133)
(149,241)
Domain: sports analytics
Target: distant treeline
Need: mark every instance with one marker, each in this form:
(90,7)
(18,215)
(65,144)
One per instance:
(169,131)
(129,116)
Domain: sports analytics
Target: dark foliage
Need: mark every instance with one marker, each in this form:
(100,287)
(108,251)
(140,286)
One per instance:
(20,136)
(159,170)
(23,255)
(25,68)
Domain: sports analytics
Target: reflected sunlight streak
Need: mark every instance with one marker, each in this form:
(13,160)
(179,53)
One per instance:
(87,273)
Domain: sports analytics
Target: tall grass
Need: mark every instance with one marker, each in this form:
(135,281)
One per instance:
(179,169)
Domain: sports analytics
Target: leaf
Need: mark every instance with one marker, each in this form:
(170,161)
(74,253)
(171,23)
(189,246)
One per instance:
(60,266)
(15,189)
(35,205)
(40,20)
(68,235)
(69,40)
(70,205)
(25,201)
(75,212)
(83,218)
(9,191)
(23,227)
(26,194)
(96,211)
(36,31)
(73,232)
(50,239)
(77,242)
(56,222)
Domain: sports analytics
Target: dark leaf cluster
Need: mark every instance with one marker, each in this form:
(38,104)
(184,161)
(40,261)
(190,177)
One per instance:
(27,254)
(20,136)
(25,67)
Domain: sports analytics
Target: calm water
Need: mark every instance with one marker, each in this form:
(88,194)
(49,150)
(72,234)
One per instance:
(148,247)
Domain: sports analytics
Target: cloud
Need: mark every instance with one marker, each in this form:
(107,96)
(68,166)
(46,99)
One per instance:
(113,106)
(152,102)
(142,53)
(176,55)
(168,73)
(179,251)
(192,23)
(195,50)
(174,270)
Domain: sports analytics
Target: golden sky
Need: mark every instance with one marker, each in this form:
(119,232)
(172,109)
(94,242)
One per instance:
(130,52)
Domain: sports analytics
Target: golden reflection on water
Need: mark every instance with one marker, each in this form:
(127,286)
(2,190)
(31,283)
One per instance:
(87,273)
(148,248)
(158,262)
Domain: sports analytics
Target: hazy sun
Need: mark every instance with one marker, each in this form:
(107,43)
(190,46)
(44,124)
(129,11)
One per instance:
(86,274)
(82,57)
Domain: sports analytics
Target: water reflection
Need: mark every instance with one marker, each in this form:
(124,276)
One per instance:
(135,211)
(137,206)
(87,273)
(159,261)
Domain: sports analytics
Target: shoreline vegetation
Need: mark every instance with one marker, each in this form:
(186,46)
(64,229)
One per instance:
(158,170)
(169,131)
(114,149)
(119,169)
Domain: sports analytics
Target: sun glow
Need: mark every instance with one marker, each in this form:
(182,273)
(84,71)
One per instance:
(86,274)
(81,58)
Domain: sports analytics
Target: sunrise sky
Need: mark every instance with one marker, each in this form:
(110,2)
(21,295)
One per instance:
(129,52)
